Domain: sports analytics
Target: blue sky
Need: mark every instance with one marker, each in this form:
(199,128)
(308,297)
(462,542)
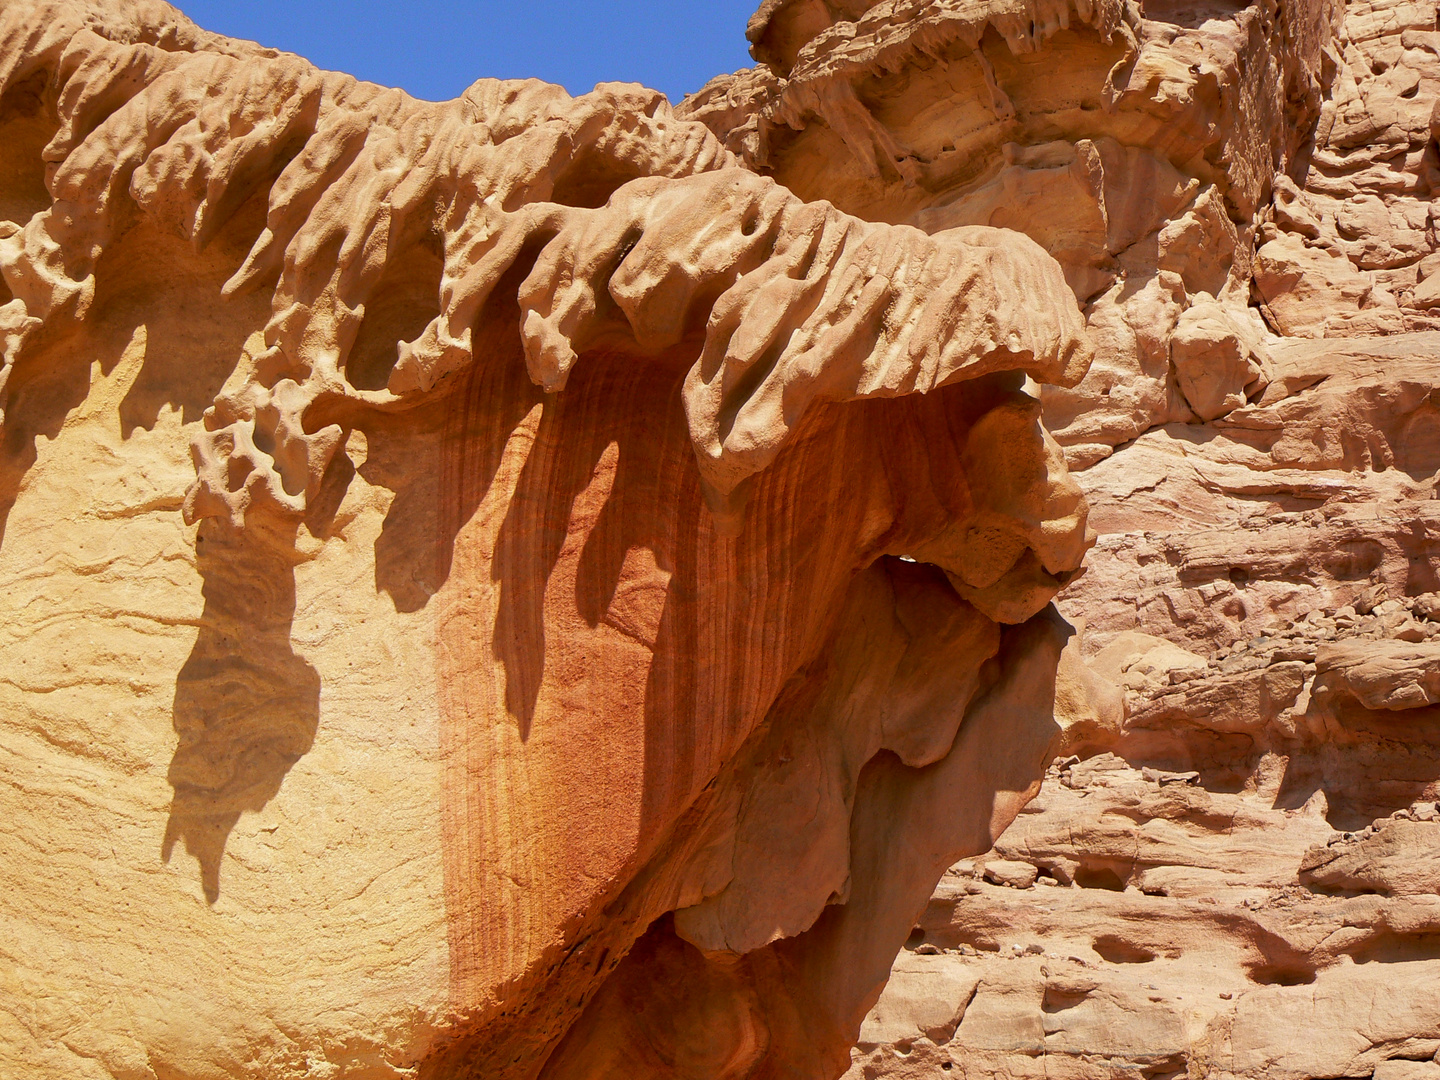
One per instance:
(436,48)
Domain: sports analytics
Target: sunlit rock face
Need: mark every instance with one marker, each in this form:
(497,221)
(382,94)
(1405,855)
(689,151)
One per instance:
(1233,880)
(1136,144)
(495,588)
(545,587)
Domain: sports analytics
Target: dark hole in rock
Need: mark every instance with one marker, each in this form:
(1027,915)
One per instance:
(1394,948)
(404,301)
(1058,999)
(1099,877)
(591,178)
(1117,950)
(1278,975)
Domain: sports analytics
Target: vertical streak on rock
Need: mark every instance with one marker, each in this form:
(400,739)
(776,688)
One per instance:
(479,465)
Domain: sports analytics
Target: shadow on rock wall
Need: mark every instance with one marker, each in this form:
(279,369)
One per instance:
(246,707)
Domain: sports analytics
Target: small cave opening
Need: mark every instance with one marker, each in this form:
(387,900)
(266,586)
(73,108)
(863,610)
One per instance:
(1282,975)
(28,122)
(404,301)
(1058,999)
(1398,948)
(591,178)
(1116,950)
(1099,877)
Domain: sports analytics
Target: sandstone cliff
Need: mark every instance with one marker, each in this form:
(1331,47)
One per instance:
(492,588)
(536,586)
(1235,880)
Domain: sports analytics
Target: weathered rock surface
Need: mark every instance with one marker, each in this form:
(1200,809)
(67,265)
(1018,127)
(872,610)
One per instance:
(1236,879)
(575,574)
(571,597)
(1240,881)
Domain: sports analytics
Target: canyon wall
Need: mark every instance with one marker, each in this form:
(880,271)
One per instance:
(491,588)
(533,586)
(1234,880)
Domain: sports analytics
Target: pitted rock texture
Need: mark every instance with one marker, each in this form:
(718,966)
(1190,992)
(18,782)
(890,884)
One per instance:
(574,574)
(1235,878)
(1240,881)
(491,588)
(1138,144)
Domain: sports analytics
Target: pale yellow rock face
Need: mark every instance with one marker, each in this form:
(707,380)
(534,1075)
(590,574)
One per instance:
(322,950)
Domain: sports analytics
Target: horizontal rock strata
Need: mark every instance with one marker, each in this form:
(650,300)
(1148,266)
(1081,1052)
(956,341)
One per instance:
(1243,882)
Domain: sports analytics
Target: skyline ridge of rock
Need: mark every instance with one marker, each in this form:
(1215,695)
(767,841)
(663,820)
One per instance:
(556,587)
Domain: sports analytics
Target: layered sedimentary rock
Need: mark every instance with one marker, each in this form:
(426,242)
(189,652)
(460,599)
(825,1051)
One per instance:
(1240,882)
(1235,879)
(492,588)
(570,576)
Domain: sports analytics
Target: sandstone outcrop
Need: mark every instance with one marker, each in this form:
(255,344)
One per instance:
(571,597)
(572,575)
(1241,881)
(1236,879)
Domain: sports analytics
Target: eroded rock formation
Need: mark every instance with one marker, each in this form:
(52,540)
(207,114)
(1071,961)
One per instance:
(571,596)
(1234,879)
(620,548)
